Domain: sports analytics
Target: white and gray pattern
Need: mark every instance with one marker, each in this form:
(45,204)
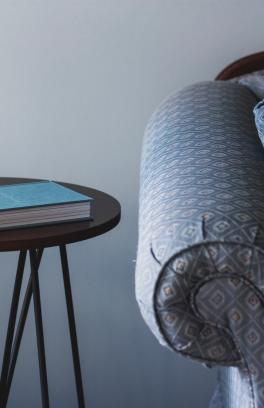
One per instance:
(259,119)
(201,230)
(254,81)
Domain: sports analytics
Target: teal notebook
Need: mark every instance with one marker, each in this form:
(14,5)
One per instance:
(35,194)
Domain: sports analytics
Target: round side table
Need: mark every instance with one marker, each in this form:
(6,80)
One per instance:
(106,212)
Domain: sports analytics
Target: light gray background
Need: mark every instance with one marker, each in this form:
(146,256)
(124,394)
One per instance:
(78,81)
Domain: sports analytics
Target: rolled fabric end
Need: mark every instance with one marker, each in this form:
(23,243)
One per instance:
(202,170)
(259,119)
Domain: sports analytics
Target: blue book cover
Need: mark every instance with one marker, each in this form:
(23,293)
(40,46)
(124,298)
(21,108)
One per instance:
(39,193)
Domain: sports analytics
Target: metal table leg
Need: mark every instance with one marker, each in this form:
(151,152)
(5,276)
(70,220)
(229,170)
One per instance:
(72,326)
(39,330)
(19,333)
(11,324)
(13,339)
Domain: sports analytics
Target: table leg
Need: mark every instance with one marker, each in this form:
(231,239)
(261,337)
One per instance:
(11,324)
(12,344)
(72,326)
(19,332)
(39,329)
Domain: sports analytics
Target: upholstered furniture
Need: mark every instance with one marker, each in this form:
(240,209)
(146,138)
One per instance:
(200,261)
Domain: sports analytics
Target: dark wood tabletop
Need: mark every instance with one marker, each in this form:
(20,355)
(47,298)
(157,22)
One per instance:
(105,211)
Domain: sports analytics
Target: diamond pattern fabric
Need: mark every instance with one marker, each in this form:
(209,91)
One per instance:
(259,119)
(200,260)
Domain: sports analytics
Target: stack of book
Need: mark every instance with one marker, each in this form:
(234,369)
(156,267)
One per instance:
(40,203)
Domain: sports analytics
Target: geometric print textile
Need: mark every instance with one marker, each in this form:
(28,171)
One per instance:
(200,259)
(259,119)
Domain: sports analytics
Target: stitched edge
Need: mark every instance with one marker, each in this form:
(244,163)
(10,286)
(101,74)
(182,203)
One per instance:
(163,267)
(194,307)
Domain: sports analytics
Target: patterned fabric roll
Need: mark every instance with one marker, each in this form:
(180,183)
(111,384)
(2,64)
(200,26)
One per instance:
(200,261)
(259,119)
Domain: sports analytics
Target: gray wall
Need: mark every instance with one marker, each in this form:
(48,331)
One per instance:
(78,81)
